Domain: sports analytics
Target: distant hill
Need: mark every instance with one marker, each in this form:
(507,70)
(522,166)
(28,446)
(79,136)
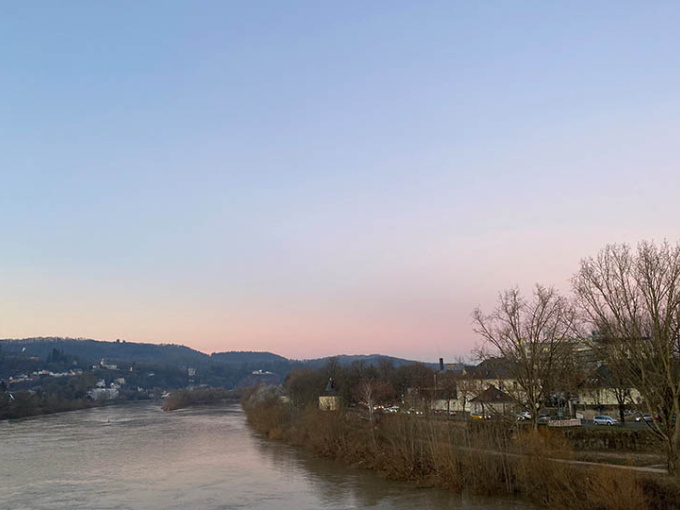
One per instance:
(219,368)
(369,359)
(92,351)
(240,357)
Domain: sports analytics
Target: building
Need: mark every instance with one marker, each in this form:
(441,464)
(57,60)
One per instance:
(492,402)
(329,400)
(103,393)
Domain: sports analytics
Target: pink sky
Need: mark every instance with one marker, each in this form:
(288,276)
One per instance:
(315,179)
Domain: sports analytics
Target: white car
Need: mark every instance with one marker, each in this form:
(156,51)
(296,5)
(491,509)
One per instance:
(605,420)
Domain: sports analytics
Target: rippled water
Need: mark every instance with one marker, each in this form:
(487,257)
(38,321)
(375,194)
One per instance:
(139,457)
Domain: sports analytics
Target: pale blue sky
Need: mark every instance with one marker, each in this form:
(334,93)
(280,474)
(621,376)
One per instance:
(314,177)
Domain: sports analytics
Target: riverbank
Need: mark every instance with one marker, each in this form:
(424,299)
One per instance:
(434,453)
(182,399)
(25,405)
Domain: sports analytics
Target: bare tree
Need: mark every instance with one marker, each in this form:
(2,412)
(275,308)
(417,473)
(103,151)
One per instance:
(529,337)
(373,392)
(412,380)
(446,387)
(632,298)
(467,387)
(612,376)
(304,386)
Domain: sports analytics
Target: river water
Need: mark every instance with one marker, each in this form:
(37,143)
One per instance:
(139,457)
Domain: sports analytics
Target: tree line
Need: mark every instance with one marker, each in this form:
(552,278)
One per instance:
(360,383)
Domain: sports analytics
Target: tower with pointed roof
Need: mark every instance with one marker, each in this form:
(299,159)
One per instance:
(329,400)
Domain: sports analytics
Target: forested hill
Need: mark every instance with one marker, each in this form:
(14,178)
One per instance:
(368,359)
(169,363)
(91,351)
(240,357)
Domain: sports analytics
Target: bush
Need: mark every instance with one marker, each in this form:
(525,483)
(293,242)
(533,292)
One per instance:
(611,438)
(202,396)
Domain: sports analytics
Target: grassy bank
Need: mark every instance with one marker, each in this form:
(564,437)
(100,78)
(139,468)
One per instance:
(480,458)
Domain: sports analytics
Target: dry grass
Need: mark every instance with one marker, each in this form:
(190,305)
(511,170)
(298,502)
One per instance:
(483,460)
(615,489)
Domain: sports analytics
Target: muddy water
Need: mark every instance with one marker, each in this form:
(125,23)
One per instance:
(139,457)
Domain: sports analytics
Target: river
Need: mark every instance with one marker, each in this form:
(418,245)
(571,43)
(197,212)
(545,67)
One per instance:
(139,457)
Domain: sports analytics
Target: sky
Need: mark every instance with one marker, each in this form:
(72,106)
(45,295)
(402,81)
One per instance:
(316,178)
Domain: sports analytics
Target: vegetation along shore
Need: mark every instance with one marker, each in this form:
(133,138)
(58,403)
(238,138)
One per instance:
(182,399)
(488,457)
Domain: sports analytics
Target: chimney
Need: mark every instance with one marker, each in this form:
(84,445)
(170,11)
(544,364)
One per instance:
(441,364)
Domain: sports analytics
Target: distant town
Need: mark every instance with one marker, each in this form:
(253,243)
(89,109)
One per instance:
(62,370)
(43,375)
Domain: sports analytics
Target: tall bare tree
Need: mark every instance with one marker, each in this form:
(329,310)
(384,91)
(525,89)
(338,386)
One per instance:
(612,375)
(372,392)
(632,298)
(529,337)
(467,387)
(446,387)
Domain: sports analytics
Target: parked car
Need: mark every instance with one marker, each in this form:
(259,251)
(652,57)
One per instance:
(605,420)
(478,416)
(645,417)
(524,416)
(543,418)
